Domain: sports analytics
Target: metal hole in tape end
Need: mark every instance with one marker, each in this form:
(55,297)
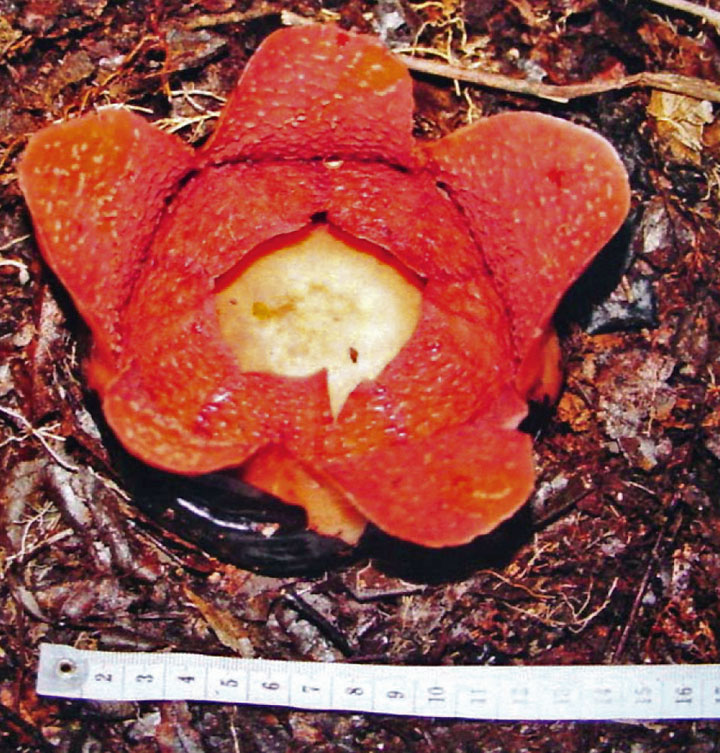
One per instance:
(60,672)
(66,668)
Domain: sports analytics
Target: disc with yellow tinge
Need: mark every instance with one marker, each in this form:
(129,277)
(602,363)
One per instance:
(319,299)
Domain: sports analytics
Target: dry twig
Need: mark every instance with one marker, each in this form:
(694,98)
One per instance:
(701,11)
(671,82)
(44,435)
(652,562)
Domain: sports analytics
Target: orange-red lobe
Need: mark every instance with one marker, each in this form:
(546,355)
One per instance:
(316,92)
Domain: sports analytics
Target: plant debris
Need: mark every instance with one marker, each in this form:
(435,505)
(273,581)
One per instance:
(616,558)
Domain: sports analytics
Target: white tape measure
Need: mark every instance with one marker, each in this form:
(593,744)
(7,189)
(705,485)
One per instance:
(527,693)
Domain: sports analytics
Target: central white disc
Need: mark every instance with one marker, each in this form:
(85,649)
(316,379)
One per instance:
(324,301)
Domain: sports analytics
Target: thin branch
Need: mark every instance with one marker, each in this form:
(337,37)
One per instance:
(672,82)
(637,601)
(652,562)
(43,435)
(577,622)
(26,554)
(175,124)
(231,17)
(582,623)
(710,15)
(14,242)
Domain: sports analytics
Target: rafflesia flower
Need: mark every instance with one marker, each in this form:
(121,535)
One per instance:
(353,319)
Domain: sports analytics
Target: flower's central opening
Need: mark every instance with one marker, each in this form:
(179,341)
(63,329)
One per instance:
(319,299)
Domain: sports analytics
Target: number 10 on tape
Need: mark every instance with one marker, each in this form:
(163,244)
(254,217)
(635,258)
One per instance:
(528,693)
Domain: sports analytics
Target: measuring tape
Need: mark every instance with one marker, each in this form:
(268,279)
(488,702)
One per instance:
(512,693)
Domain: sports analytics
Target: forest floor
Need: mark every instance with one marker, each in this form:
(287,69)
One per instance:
(616,558)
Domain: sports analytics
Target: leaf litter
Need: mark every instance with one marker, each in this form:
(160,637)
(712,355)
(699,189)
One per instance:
(617,558)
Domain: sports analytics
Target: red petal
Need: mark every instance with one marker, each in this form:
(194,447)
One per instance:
(96,187)
(443,490)
(221,215)
(543,196)
(187,408)
(406,214)
(318,91)
(161,439)
(454,365)
(182,382)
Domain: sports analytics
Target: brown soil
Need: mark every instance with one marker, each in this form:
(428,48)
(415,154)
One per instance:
(616,559)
